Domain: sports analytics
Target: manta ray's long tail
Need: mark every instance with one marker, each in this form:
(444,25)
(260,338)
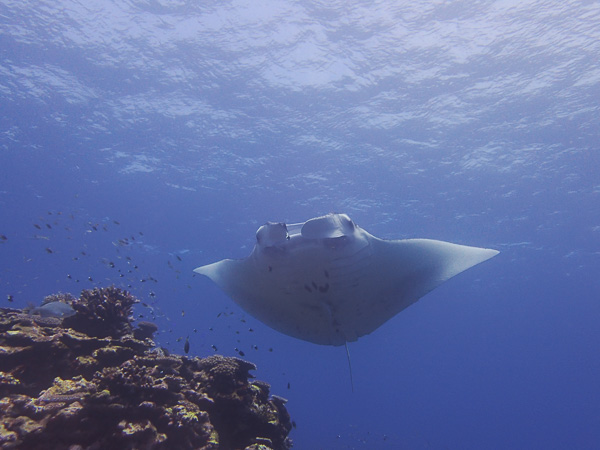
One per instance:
(350,367)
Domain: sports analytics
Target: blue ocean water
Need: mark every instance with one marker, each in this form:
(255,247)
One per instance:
(141,139)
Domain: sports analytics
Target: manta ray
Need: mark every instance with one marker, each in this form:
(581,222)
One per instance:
(329,282)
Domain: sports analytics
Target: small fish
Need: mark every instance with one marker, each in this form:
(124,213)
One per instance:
(241,353)
(116,222)
(288,385)
(186,346)
(178,257)
(4,238)
(48,226)
(214,347)
(49,250)
(10,298)
(37,226)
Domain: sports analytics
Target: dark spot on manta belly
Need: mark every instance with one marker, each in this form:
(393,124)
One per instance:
(324,288)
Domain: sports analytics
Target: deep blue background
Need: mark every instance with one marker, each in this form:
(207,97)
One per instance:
(475,123)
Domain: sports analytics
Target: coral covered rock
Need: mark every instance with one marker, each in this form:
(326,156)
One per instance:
(91,381)
(102,312)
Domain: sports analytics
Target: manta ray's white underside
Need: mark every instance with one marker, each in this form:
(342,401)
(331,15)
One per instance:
(328,281)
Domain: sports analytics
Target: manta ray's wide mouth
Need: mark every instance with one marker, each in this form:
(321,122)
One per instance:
(328,227)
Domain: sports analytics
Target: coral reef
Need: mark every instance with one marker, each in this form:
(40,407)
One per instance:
(102,312)
(92,381)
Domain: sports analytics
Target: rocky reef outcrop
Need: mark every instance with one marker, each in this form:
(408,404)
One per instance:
(90,380)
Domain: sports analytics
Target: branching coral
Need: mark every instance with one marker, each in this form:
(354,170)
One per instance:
(64,297)
(102,312)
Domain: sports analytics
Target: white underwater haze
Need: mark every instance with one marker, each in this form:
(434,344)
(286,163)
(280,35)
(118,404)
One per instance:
(169,131)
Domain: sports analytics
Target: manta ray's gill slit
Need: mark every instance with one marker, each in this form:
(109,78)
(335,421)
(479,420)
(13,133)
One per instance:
(317,288)
(347,270)
(322,288)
